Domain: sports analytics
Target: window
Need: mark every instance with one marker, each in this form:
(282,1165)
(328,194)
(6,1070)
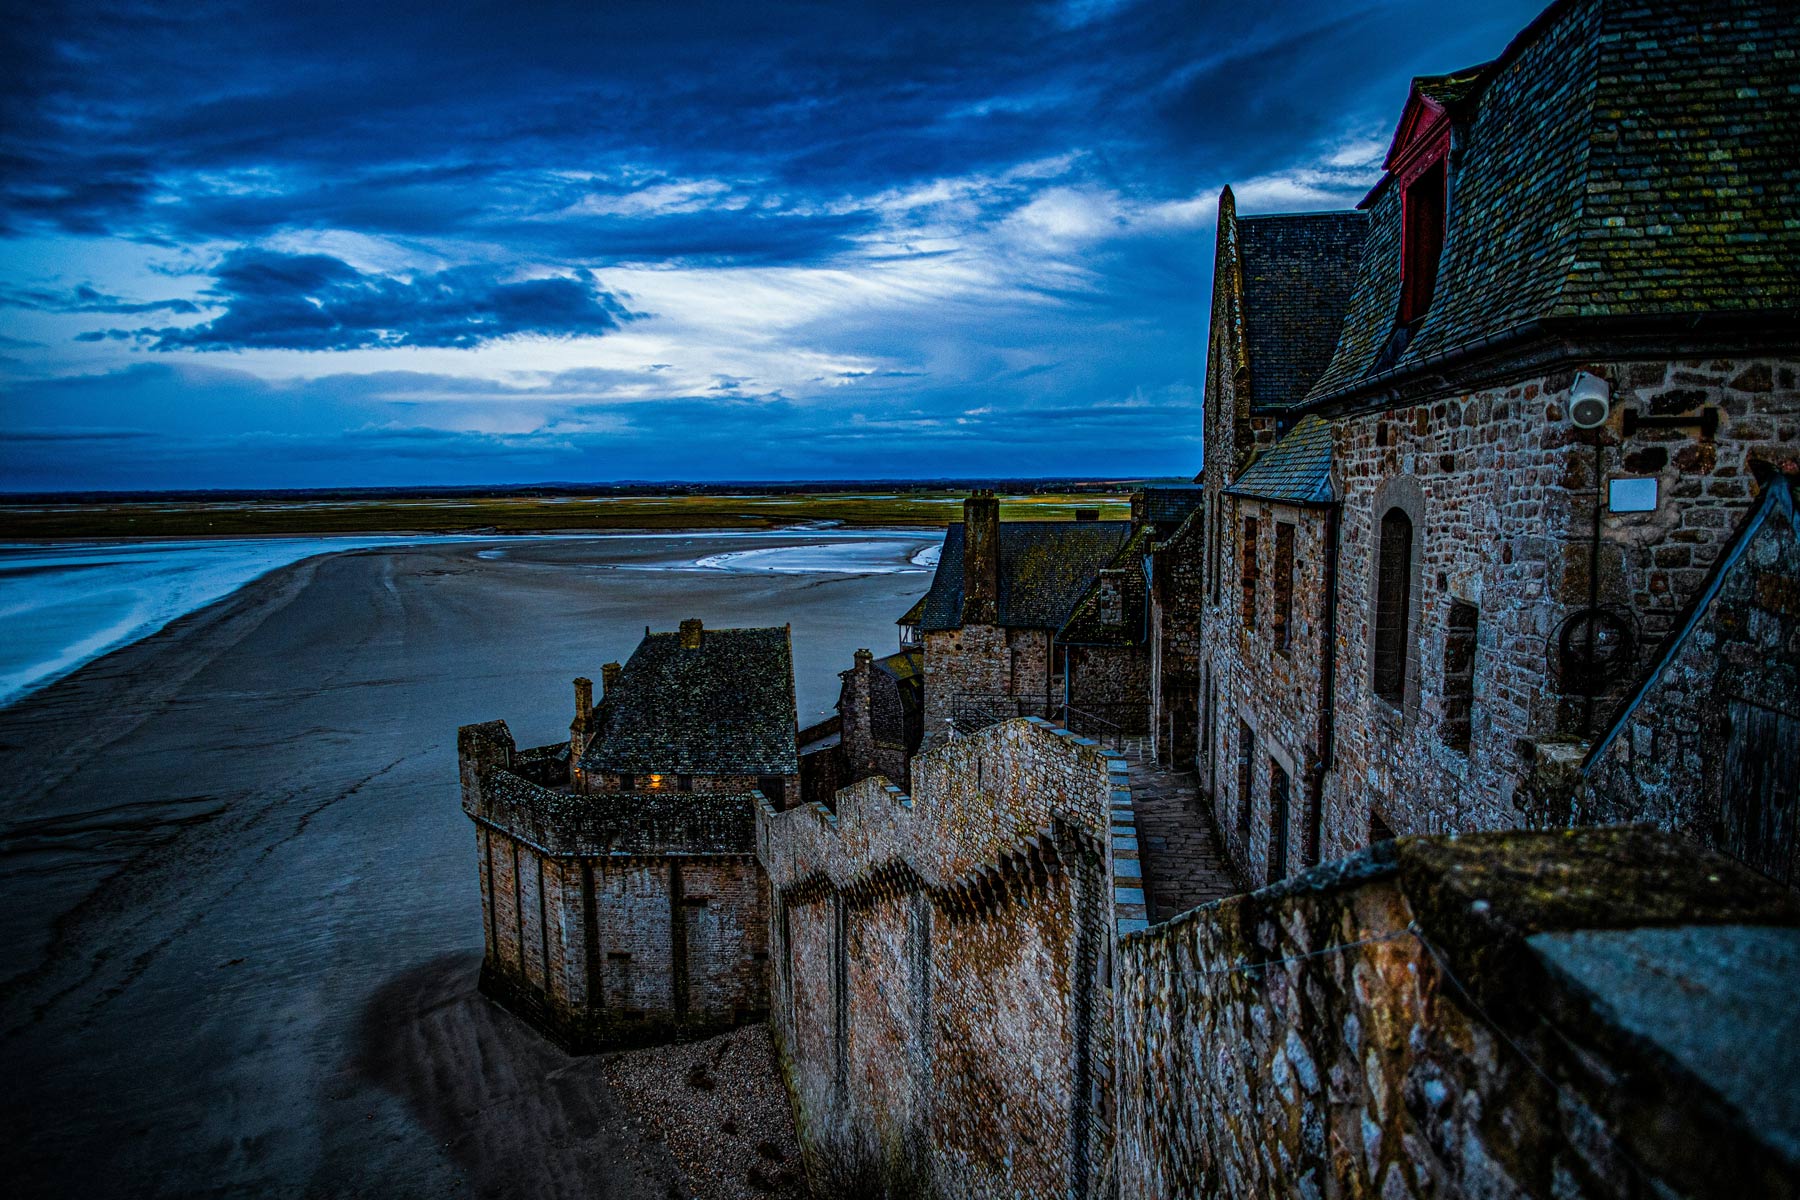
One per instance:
(627,782)
(1245,767)
(1393,594)
(1459,675)
(1283,620)
(684,783)
(774,787)
(1249,552)
(1422,240)
(1279,797)
(1216,560)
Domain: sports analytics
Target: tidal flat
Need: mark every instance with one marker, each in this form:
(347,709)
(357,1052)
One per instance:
(241,920)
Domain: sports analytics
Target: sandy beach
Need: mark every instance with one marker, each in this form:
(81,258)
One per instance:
(241,925)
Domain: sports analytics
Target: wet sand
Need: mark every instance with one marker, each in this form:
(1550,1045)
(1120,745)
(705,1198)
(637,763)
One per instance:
(240,925)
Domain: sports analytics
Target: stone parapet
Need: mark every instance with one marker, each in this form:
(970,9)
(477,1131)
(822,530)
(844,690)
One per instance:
(1501,1014)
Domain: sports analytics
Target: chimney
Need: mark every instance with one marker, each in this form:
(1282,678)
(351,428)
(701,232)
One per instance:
(582,726)
(690,633)
(981,559)
(864,658)
(609,679)
(1140,507)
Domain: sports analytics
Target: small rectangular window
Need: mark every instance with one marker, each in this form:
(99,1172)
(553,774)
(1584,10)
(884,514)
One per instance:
(1246,766)
(1280,626)
(684,783)
(1459,675)
(774,787)
(1250,573)
(627,782)
(1279,798)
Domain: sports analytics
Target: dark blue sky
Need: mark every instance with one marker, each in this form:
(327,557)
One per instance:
(317,244)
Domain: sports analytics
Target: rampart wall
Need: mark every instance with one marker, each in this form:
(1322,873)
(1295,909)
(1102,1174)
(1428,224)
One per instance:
(941,965)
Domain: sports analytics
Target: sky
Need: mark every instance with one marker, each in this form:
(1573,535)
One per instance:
(376,244)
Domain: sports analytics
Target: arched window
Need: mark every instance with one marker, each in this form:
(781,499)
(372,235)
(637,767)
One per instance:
(1393,596)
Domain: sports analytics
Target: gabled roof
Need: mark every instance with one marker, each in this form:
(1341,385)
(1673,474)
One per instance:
(1044,568)
(1777,501)
(1295,470)
(723,708)
(1298,272)
(1620,165)
(1086,626)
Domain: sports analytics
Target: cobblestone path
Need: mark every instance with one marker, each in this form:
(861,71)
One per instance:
(1184,865)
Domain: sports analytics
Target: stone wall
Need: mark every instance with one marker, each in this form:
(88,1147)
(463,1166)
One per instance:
(1272,691)
(1502,489)
(612,919)
(1432,1019)
(1111,683)
(1177,596)
(1710,746)
(982,673)
(940,970)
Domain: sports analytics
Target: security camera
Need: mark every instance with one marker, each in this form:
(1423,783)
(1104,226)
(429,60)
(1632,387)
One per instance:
(1590,400)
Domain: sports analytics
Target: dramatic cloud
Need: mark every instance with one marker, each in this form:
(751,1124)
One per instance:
(316,302)
(889,237)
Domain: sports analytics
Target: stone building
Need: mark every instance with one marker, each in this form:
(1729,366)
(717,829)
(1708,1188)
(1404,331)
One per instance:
(621,898)
(1446,548)
(1001,595)
(876,730)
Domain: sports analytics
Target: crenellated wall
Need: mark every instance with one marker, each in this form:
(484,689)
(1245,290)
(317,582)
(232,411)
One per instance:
(940,968)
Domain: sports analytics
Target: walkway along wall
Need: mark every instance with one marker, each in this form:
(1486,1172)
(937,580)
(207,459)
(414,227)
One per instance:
(941,965)
(1598,1013)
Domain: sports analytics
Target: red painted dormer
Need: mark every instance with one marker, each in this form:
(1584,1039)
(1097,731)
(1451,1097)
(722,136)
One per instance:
(1417,164)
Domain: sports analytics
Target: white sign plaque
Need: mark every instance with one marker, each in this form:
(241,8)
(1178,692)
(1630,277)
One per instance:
(1631,495)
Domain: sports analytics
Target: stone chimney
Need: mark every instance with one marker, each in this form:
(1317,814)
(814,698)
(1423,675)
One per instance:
(609,679)
(691,632)
(1140,507)
(582,727)
(981,560)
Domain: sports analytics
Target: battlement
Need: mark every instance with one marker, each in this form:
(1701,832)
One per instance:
(982,806)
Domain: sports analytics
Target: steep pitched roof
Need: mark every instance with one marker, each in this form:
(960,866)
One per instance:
(723,708)
(1298,273)
(1295,470)
(1087,625)
(1044,568)
(1619,162)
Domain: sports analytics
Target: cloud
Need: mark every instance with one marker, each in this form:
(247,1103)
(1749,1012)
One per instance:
(86,299)
(317,302)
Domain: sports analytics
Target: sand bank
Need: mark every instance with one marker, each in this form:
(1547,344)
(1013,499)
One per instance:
(233,862)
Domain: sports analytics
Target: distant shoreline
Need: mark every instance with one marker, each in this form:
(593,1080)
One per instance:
(525,516)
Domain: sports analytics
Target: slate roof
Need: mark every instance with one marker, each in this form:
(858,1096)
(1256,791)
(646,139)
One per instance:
(1169,505)
(1044,568)
(915,614)
(726,708)
(1295,470)
(1621,162)
(1085,626)
(1298,273)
